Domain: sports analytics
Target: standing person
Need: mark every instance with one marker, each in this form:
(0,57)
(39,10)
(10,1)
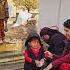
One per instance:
(4,14)
(34,53)
(62,62)
(54,39)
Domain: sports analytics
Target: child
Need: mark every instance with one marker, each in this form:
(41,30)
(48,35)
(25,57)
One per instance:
(34,53)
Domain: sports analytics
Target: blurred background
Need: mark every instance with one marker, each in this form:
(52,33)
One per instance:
(27,16)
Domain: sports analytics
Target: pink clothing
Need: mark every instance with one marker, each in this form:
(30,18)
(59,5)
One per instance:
(65,66)
(36,53)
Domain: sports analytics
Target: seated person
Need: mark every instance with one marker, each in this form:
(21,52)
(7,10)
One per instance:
(34,53)
(54,39)
(62,62)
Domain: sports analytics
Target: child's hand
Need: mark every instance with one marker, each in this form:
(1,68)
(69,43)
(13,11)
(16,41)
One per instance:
(37,62)
(48,54)
(42,61)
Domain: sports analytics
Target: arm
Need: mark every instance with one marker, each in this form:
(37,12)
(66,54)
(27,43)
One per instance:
(58,62)
(57,44)
(63,59)
(54,57)
(27,58)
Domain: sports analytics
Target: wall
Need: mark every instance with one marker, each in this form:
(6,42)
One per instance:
(53,12)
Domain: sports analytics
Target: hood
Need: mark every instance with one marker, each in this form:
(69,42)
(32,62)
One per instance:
(30,36)
(48,31)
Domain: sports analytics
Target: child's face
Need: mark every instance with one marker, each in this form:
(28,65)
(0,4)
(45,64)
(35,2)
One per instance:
(35,43)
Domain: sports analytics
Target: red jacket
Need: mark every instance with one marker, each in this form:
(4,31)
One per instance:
(36,53)
(61,59)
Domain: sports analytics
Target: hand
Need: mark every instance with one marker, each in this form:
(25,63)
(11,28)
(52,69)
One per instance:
(42,61)
(37,62)
(48,54)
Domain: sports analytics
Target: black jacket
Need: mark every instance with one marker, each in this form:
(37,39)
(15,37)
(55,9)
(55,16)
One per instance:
(57,44)
(56,40)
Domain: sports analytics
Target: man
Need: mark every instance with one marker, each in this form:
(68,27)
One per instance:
(4,14)
(62,62)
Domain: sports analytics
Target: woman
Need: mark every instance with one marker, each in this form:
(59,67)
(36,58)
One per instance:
(54,39)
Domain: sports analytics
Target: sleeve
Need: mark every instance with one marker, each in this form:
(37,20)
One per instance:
(63,59)
(57,45)
(27,58)
(56,57)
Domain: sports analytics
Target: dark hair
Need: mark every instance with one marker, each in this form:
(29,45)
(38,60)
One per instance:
(48,31)
(32,36)
(44,31)
(67,23)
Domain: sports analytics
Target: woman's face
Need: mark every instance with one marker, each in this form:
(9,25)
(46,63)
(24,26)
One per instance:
(46,37)
(67,32)
(35,43)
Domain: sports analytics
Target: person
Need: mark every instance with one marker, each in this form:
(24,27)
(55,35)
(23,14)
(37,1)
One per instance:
(4,14)
(34,53)
(22,17)
(62,62)
(54,39)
